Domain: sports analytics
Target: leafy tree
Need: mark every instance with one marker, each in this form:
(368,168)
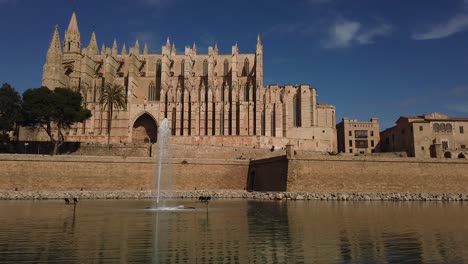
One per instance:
(62,107)
(10,109)
(112,97)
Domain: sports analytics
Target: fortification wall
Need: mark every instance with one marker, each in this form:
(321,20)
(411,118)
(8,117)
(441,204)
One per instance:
(297,173)
(376,174)
(71,173)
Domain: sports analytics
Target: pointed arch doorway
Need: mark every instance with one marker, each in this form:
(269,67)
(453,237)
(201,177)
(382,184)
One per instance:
(145,129)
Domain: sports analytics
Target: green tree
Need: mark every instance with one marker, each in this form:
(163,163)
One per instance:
(44,108)
(112,97)
(10,109)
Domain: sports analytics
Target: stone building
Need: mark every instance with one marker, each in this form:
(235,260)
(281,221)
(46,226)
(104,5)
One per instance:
(433,135)
(358,136)
(211,98)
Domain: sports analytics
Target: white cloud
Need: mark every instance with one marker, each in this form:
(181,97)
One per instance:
(345,33)
(367,37)
(455,24)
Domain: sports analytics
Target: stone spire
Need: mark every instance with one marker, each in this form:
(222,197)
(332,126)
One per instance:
(124,49)
(54,48)
(194,48)
(259,44)
(115,49)
(145,49)
(72,42)
(173,49)
(216,51)
(166,49)
(136,48)
(103,49)
(168,42)
(93,46)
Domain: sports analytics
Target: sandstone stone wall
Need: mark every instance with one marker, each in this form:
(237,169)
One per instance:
(376,174)
(302,172)
(71,173)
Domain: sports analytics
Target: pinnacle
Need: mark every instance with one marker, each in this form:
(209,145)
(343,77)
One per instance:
(73,26)
(124,49)
(259,41)
(55,43)
(145,49)
(115,49)
(93,42)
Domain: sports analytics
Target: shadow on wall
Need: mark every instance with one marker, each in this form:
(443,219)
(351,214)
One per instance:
(40,147)
(268,175)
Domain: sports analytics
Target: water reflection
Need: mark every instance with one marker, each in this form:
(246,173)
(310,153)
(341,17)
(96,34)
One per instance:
(234,231)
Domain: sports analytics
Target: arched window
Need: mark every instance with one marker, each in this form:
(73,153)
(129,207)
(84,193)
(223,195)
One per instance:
(182,68)
(205,68)
(158,80)
(246,92)
(448,128)
(442,127)
(273,122)
(296,111)
(221,122)
(226,67)
(263,123)
(151,92)
(246,67)
(174,122)
(435,127)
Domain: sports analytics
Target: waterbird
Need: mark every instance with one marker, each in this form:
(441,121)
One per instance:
(204,198)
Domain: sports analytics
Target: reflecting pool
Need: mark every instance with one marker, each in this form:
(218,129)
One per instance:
(233,231)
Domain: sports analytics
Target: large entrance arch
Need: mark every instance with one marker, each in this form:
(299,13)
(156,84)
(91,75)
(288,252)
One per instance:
(144,129)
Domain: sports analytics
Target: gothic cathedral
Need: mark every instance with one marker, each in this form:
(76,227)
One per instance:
(216,99)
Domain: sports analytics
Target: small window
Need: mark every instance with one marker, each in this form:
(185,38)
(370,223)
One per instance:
(226,67)
(351,151)
(463,146)
(350,133)
(205,68)
(448,128)
(246,68)
(372,133)
(350,143)
(420,128)
(442,127)
(372,143)
(361,143)
(360,133)
(462,130)
(445,145)
(422,148)
(435,127)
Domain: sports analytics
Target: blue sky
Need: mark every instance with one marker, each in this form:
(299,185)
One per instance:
(369,58)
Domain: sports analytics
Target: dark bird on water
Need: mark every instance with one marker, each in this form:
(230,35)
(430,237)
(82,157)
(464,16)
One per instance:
(204,198)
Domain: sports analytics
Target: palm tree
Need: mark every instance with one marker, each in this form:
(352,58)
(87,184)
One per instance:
(113,97)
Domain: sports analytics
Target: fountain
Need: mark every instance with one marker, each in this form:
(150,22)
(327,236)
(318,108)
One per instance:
(163,174)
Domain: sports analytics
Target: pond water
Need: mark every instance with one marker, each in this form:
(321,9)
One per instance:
(233,231)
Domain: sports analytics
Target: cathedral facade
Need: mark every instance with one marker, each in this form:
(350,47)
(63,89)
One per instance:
(211,98)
